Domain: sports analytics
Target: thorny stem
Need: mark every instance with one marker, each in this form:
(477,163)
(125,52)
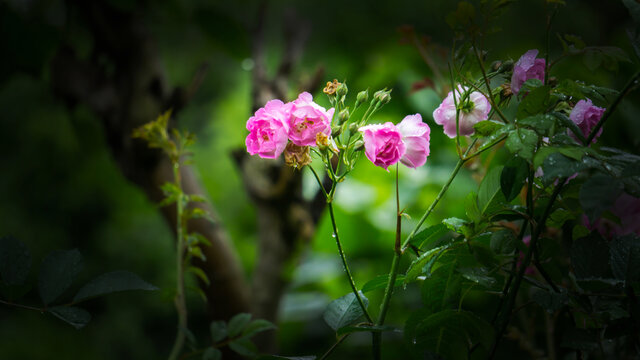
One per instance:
(181,306)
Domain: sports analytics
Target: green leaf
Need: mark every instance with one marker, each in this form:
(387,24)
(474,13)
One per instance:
(503,242)
(541,123)
(74,316)
(15,261)
(200,274)
(496,137)
(344,311)
(57,272)
(577,132)
(429,236)
(535,102)
(364,328)
(471,207)
(512,177)
(487,127)
(550,301)
(238,323)
(490,197)
(455,224)
(442,291)
(257,326)
(450,333)
(112,282)
(478,275)
(218,331)
(244,347)
(522,142)
(380,282)
(278,357)
(573,152)
(557,165)
(598,194)
(625,257)
(423,264)
(212,353)
(587,256)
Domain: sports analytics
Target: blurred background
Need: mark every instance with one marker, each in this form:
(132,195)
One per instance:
(66,181)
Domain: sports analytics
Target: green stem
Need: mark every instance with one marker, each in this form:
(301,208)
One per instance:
(181,306)
(344,262)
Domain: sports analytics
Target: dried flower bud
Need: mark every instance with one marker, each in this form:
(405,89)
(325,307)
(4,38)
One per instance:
(506,91)
(296,156)
(331,87)
(324,143)
(362,97)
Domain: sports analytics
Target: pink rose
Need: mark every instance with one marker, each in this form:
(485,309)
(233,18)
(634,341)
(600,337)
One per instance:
(383,144)
(586,116)
(474,107)
(268,130)
(527,67)
(307,120)
(415,135)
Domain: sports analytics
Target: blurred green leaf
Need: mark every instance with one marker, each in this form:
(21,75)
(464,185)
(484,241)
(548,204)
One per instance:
(423,264)
(598,194)
(238,323)
(442,290)
(112,282)
(478,275)
(587,256)
(57,272)
(503,241)
(218,331)
(550,301)
(244,347)
(344,311)
(490,197)
(211,353)
(429,236)
(364,328)
(74,316)
(625,257)
(257,326)
(15,261)
(487,127)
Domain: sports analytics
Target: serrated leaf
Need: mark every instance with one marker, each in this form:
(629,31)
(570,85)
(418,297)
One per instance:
(625,257)
(512,178)
(218,331)
(74,316)
(429,236)
(423,264)
(244,347)
(380,282)
(57,272)
(454,224)
(257,326)
(522,142)
(587,256)
(112,282)
(490,197)
(211,353)
(536,101)
(238,323)
(344,311)
(598,194)
(15,261)
(451,333)
(540,123)
(364,328)
(503,242)
(487,127)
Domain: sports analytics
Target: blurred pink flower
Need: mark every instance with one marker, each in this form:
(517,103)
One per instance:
(531,269)
(627,209)
(586,116)
(383,144)
(474,107)
(268,130)
(527,67)
(415,135)
(307,120)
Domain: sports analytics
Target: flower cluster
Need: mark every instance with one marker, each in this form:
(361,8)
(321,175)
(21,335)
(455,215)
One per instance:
(277,123)
(408,142)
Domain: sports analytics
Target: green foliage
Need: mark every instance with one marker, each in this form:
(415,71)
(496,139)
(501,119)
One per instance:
(522,142)
(72,315)
(512,178)
(112,282)
(15,261)
(599,193)
(57,272)
(344,311)
(380,282)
